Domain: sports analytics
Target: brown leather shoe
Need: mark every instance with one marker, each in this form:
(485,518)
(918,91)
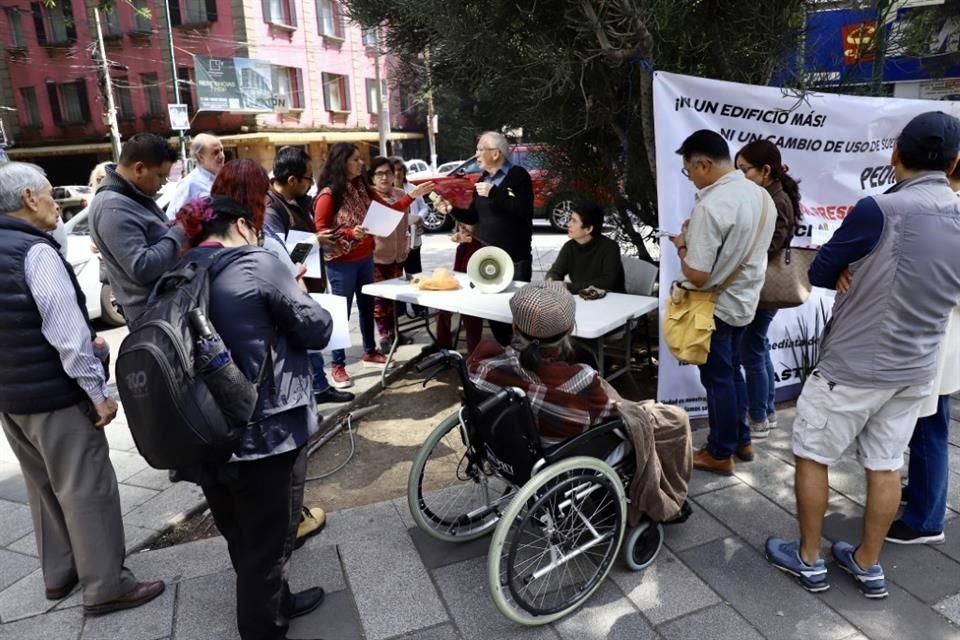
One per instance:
(705,462)
(59,593)
(142,593)
(744,453)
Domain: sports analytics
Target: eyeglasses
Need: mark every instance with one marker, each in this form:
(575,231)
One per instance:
(383,174)
(686,172)
(482,149)
(746,169)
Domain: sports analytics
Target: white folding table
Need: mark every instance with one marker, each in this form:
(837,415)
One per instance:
(594,320)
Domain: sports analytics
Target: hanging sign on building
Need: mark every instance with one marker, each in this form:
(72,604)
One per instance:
(237,85)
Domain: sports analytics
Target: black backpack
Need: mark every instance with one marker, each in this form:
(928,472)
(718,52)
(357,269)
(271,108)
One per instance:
(177,417)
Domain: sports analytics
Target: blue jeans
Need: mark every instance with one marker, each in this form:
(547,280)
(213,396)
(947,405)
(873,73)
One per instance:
(726,392)
(929,474)
(758,367)
(346,279)
(320,382)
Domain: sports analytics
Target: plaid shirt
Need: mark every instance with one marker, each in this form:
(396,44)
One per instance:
(566,398)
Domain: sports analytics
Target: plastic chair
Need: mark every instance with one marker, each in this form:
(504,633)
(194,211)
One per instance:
(640,278)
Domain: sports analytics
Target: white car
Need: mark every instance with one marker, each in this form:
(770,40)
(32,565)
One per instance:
(447,167)
(85,260)
(417,169)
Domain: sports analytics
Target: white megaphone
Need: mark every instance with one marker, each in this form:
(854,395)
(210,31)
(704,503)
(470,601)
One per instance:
(490,270)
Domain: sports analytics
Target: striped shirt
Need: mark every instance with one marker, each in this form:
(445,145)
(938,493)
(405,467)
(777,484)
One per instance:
(64,325)
(566,398)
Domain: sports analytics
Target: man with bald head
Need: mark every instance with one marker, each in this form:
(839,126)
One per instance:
(207,151)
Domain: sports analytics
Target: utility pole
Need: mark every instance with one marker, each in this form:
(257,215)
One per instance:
(431,113)
(879,44)
(108,89)
(383,109)
(176,86)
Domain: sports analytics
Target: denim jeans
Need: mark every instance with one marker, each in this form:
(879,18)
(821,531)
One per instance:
(758,367)
(346,279)
(726,392)
(929,474)
(320,382)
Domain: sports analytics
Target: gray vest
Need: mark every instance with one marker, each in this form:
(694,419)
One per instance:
(886,330)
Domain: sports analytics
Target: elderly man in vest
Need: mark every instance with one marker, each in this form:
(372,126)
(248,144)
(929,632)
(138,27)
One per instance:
(894,264)
(54,405)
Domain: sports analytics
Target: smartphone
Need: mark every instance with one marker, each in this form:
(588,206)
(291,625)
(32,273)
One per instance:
(300,252)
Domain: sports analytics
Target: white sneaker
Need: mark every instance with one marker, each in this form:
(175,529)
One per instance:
(772,421)
(758,430)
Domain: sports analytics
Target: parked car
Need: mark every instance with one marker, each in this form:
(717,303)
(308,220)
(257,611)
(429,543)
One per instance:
(72,199)
(83,256)
(418,169)
(550,200)
(448,167)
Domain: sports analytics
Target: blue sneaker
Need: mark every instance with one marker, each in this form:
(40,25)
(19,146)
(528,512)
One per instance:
(871,582)
(786,557)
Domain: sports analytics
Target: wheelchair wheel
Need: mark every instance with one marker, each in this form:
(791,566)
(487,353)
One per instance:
(643,545)
(556,541)
(449,497)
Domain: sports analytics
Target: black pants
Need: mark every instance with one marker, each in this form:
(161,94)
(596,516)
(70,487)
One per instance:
(503,331)
(257,509)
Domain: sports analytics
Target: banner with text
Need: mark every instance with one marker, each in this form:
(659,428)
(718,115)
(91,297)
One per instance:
(237,85)
(837,146)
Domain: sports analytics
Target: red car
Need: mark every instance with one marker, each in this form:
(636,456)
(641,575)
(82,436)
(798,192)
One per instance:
(549,201)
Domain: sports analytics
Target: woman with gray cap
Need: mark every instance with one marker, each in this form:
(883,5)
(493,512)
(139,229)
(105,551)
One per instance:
(566,397)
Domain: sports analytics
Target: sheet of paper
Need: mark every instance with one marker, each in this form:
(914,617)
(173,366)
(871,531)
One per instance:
(336,306)
(381,220)
(313,259)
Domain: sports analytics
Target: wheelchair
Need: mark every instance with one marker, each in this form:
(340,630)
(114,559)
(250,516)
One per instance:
(558,514)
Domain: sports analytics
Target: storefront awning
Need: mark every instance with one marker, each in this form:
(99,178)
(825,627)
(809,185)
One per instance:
(307,137)
(24,153)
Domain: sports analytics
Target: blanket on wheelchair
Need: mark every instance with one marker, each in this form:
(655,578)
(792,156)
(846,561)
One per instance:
(661,441)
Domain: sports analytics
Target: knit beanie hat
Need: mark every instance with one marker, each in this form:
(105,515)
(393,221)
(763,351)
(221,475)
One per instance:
(543,309)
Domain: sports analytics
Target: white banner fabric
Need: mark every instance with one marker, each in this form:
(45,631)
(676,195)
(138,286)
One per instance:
(838,147)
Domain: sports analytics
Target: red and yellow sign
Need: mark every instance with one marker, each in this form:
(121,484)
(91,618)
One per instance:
(858,42)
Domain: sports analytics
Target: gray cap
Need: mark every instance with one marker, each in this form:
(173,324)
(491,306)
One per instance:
(543,309)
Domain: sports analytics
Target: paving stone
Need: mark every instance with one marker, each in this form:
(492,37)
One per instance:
(27,545)
(749,514)
(702,482)
(24,598)
(848,478)
(151,621)
(606,615)
(464,588)
(181,562)
(700,528)
(14,566)
(393,591)
(167,508)
(207,608)
(135,537)
(400,504)
(436,553)
(443,632)
(898,616)
(6,453)
(951,547)
(765,597)
(358,524)
(720,622)
(60,625)
(665,590)
(921,570)
(15,521)
(149,478)
(335,618)
(316,565)
(770,476)
(12,486)
(118,436)
(950,608)
(132,497)
(126,463)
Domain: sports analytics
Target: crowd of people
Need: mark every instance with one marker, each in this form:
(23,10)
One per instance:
(880,381)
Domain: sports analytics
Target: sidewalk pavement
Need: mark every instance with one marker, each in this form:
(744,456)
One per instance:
(386,580)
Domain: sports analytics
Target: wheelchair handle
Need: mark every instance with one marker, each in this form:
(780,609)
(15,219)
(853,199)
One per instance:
(434,359)
(493,400)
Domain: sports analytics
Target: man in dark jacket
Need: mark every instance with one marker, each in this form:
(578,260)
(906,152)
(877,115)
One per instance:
(54,405)
(501,212)
(135,239)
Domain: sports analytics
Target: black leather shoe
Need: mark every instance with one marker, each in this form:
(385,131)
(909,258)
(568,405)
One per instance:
(303,602)
(61,592)
(142,593)
(334,395)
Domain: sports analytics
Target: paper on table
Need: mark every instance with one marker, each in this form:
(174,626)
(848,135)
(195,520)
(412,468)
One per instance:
(381,220)
(313,259)
(336,306)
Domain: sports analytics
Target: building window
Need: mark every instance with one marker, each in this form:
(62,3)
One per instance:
(373,106)
(280,12)
(69,102)
(151,89)
(141,16)
(192,12)
(17,40)
(185,86)
(370,37)
(335,94)
(124,98)
(288,81)
(31,108)
(54,25)
(110,22)
(328,15)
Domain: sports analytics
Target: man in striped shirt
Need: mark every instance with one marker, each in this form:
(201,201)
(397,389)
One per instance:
(54,405)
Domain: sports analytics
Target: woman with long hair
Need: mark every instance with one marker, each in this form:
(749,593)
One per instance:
(341,205)
(761,163)
(268,324)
